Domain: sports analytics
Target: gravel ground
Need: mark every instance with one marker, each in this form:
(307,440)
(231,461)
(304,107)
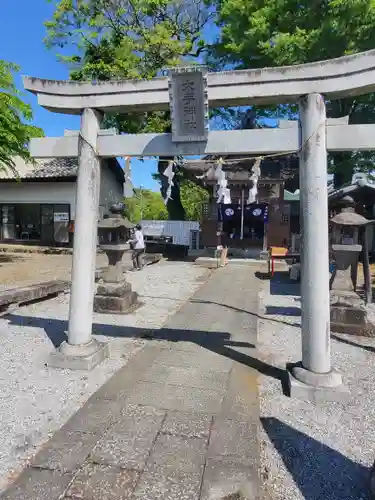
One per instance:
(35,401)
(314,451)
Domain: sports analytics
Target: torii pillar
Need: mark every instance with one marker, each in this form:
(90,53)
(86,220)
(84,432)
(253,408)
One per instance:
(313,378)
(81,351)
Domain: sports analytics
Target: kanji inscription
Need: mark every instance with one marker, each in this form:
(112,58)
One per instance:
(188,107)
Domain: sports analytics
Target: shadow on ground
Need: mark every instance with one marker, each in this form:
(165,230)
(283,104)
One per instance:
(280,311)
(281,284)
(218,342)
(296,310)
(319,471)
(283,311)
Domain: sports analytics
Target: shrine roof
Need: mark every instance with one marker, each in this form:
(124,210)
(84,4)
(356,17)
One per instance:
(51,168)
(360,189)
(41,169)
(239,169)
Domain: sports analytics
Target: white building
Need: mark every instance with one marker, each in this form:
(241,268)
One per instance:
(39,205)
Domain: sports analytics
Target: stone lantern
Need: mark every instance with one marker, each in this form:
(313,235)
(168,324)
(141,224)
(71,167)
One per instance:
(114,293)
(348,314)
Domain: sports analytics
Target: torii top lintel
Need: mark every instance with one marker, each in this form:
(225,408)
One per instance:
(335,78)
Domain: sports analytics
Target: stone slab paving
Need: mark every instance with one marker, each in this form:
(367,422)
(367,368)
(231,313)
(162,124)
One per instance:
(36,400)
(179,422)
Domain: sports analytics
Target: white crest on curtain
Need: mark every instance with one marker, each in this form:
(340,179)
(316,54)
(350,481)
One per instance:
(169,173)
(128,184)
(256,173)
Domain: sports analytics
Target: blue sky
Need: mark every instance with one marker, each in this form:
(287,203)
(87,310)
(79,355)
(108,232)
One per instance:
(21,41)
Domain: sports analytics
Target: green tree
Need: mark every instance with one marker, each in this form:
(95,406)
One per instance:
(192,197)
(258,34)
(149,205)
(15,132)
(146,205)
(119,39)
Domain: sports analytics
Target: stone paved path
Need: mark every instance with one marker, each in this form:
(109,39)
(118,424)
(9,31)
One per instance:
(178,422)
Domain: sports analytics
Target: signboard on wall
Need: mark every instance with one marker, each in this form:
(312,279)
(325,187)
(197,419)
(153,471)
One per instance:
(188,102)
(61,217)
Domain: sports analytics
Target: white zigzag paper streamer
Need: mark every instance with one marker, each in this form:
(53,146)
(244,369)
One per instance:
(128,185)
(223,192)
(256,173)
(169,173)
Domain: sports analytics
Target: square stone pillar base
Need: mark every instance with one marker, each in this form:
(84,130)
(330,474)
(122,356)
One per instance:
(352,320)
(79,357)
(316,388)
(349,314)
(115,298)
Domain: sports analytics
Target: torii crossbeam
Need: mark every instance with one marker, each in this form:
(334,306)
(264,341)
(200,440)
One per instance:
(230,142)
(304,84)
(336,78)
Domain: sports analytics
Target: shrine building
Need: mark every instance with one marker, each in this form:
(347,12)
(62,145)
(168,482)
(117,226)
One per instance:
(272,220)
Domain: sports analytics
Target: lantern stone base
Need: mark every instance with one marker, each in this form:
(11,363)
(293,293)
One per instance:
(352,321)
(316,387)
(115,298)
(114,289)
(79,357)
(349,316)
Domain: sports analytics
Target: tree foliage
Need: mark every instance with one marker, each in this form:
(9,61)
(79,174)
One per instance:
(192,198)
(15,132)
(149,205)
(258,34)
(122,39)
(146,205)
(126,38)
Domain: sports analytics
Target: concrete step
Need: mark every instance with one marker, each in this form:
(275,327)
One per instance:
(9,248)
(255,264)
(18,296)
(208,262)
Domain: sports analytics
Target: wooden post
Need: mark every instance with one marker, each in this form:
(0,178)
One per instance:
(354,267)
(242,211)
(265,237)
(366,266)
(293,242)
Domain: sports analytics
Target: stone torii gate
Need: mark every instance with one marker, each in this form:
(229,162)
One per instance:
(305,85)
